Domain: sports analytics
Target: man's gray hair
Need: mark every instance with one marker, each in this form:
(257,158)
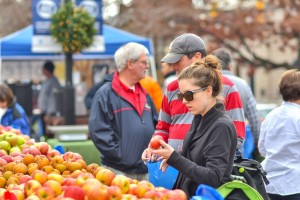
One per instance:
(224,56)
(130,51)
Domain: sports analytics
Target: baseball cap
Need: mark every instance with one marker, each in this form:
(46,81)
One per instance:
(183,44)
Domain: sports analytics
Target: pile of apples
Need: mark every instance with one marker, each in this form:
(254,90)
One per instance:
(33,170)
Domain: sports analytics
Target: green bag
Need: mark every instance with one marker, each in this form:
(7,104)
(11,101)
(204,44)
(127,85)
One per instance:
(249,192)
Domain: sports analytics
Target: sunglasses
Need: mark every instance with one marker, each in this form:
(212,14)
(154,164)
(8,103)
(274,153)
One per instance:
(189,95)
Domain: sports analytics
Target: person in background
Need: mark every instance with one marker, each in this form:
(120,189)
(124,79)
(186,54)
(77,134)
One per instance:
(154,90)
(279,141)
(123,116)
(209,147)
(248,100)
(169,74)
(11,113)
(46,98)
(174,118)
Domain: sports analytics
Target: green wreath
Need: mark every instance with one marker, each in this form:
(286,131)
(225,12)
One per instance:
(72,27)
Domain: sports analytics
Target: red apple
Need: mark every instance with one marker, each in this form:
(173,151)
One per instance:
(154,142)
(114,193)
(153,194)
(74,192)
(3,152)
(24,179)
(82,178)
(43,147)
(69,181)
(3,162)
(96,192)
(175,195)
(52,153)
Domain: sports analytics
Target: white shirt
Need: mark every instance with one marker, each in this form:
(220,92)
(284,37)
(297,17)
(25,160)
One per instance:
(279,143)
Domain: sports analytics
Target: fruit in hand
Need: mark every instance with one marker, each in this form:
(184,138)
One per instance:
(154,142)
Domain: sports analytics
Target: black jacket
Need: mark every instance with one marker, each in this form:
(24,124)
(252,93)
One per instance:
(119,132)
(208,152)
(88,99)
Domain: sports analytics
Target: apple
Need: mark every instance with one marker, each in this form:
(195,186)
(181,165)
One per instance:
(89,183)
(74,166)
(2,182)
(114,193)
(19,194)
(43,162)
(54,186)
(32,167)
(3,162)
(31,186)
(21,140)
(5,145)
(105,176)
(129,197)
(12,139)
(154,142)
(9,166)
(143,187)
(2,152)
(175,194)
(132,188)
(75,192)
(52,153)
(82,178)
(39,176)
(7,174)
(24,179)
(92,167)
(43,147)
(122,182)
(97,192)
(28,158)
(31,150)
(20,168)
(48,169)
(45,193)
(71,156)
(32,197)
(153,194)
(56,177)
(69,181)
(12,181)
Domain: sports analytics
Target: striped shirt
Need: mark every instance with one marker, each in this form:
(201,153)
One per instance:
(175,119)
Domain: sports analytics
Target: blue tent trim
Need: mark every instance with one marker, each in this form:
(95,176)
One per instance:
(17,46)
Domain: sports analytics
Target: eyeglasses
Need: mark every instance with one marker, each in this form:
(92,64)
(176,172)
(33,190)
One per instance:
(143,62)
(189,95)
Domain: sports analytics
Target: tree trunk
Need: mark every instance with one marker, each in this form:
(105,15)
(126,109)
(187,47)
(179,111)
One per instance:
(69,69)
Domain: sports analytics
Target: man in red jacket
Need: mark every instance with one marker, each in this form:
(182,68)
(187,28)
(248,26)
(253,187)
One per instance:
(174,118)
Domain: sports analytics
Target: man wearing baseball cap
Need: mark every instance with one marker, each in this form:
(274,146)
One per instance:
(174,118)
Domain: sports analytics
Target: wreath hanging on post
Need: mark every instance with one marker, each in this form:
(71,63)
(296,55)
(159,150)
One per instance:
(73,28)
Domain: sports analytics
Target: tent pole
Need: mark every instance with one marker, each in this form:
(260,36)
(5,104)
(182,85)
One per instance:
(153,67)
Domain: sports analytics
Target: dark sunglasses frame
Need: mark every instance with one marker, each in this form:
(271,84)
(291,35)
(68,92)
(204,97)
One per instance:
(189,95)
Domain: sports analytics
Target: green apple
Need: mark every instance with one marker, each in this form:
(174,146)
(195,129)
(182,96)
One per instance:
(14,149)
(5,145)
(12,139)
(21,140)
(3,135)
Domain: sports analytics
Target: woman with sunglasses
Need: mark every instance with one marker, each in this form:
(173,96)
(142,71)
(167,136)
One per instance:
(209,147)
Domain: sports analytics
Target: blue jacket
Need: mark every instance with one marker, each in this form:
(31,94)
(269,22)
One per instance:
(16,117)
(119,132)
